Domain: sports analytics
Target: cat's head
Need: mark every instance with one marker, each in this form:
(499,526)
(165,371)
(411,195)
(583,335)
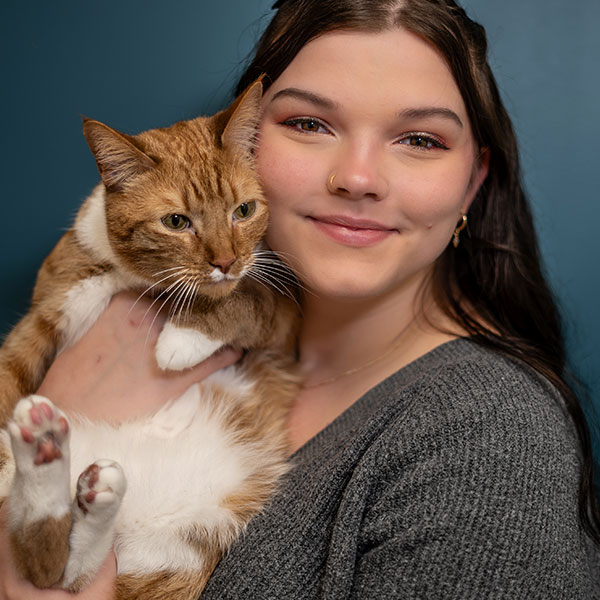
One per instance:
(184,207)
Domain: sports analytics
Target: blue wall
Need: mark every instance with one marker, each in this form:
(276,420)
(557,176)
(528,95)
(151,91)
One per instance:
(138,64)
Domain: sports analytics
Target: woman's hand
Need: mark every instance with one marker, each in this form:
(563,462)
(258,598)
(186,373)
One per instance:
(111,373)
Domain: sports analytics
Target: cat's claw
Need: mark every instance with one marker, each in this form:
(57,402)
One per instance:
(101,487)
(179,348)
(38,431)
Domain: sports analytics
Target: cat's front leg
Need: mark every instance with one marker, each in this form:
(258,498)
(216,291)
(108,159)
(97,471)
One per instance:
(179,348)
(40,506)
(100,490)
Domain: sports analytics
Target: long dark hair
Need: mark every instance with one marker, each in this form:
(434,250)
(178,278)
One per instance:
(493,284)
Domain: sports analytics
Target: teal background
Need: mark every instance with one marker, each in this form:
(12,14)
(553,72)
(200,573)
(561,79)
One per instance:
(137,64)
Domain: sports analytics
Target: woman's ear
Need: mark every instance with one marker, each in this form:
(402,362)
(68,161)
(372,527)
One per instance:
(481,168)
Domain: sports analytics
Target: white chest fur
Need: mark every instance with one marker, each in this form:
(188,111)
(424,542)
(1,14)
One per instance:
(84,303)
(180,465)
(185,466)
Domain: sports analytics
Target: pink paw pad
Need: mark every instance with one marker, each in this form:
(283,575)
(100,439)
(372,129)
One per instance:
(40,424)
(100,485)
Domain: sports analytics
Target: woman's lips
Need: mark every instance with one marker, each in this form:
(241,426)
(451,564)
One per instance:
(358,233)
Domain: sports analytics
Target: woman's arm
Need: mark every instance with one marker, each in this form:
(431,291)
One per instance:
(109,374)
(475,496)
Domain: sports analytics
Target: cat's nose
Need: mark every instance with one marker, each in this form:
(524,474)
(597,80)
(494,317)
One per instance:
(223,264)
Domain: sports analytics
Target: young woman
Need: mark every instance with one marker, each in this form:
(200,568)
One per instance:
(438,450)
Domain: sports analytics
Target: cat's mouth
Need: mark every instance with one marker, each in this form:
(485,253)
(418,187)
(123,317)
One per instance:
(219,285)
(219,277)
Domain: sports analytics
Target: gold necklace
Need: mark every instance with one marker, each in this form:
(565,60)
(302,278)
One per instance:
(373,361)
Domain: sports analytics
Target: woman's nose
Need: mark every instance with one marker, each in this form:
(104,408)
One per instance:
(358,173)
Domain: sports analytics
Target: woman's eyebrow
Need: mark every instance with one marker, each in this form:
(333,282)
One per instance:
(430,111)
(307,96)
(409,113)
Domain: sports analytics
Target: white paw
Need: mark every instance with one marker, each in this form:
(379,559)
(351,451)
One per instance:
(39,433)
(179,348)
(100,488)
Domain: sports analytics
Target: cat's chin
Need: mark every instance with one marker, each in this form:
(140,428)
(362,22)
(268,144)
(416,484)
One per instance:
(219,289)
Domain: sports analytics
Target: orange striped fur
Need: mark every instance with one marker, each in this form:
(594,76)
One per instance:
(124,238)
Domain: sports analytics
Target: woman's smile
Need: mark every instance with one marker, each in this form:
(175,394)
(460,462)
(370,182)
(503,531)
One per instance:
(355,179)
(350,231)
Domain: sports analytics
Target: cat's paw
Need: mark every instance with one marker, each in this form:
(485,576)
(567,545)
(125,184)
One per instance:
(39,432)
(100,488)
(179,348)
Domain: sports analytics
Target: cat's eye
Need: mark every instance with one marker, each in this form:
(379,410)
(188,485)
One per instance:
(244,211)
(176,222)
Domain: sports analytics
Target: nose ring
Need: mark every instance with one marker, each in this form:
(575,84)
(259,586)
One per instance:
(330,186)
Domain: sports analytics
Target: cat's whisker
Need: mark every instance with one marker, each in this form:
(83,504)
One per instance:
(261,278)
(179,303)
(179,272)
(283,258)
(192,297)
(276,278)
(174,287)
(270,259)
(263,270)
(165,291)
(167,270)
(177,296)
(188,298)
(175,301)
(280,255)
(280,273)
(277,267)
(288,259)
(258,280)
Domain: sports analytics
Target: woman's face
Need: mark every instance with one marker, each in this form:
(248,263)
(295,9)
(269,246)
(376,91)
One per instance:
(368,161)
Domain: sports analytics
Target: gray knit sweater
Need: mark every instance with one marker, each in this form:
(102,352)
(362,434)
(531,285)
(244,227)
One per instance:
(456,478)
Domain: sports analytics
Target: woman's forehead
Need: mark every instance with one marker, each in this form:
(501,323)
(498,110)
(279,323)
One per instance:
(394,66)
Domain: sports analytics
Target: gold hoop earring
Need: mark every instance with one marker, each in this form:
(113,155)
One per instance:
(330,183)
(456,237)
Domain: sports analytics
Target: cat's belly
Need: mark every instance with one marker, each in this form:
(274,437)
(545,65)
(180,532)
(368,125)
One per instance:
(181,465)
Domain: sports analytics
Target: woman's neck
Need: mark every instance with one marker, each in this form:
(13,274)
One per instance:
(340,338)
(346,348)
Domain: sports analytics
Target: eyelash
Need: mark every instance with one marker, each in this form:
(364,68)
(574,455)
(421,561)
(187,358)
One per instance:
(432,142)
(435,143)
(295,122)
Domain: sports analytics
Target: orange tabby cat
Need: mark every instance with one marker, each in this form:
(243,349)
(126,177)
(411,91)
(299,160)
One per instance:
(179,214)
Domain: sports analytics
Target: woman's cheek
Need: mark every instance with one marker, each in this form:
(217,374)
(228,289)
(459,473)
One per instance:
(431,198)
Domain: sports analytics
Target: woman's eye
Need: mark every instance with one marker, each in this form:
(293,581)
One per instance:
(176,222)
(422,142)
(306,124)
(244,211)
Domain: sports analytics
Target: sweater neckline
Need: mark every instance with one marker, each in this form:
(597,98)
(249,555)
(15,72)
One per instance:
(389,385)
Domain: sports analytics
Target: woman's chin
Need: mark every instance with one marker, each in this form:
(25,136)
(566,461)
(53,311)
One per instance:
(344,289)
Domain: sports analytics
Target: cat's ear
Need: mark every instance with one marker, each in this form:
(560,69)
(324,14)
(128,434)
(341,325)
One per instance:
(240,132)
(118,159)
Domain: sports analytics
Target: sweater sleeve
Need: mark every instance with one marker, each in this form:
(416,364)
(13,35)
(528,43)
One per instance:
(475,497)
